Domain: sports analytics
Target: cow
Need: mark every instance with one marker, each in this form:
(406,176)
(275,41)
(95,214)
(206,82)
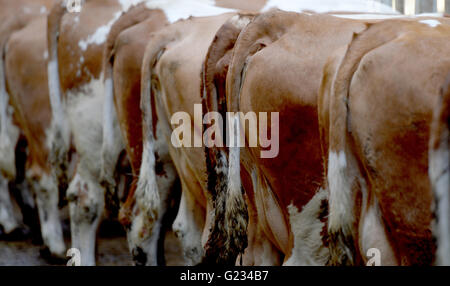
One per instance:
(27,80)
(213,77)
(439,173)
(76,42)
(122,69)
(375,110)
(16,18)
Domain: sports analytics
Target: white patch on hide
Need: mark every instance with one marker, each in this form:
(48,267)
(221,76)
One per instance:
(100,35)
(85,112)
(306,227)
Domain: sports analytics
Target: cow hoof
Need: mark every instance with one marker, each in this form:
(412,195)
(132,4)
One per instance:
(18,234)
(52,258)
(139,256)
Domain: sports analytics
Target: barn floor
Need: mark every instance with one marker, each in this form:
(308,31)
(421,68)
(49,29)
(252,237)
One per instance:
(112,251)
(112,246)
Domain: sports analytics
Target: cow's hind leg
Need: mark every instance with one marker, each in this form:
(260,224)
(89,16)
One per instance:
(86,205)
(150,251)
(188,227)
(85,194)
(47,197)
(373,241)
(147,229)
(8,221)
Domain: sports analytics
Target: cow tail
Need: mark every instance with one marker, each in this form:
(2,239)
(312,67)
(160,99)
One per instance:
(439,170)
(147,193)
(340,181)
(112,144)
(214,100)
(59,137)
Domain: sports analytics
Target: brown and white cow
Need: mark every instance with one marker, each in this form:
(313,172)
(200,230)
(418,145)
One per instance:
(76,42)
(375,108)
(27,81)
(123,57)
(23,25)
(214,73)
(439,173)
